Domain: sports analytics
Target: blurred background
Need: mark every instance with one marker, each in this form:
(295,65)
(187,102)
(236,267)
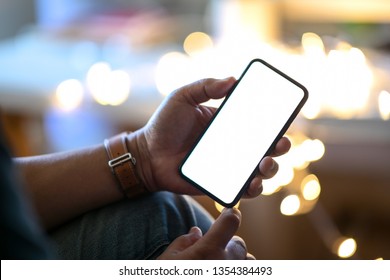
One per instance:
(73,72)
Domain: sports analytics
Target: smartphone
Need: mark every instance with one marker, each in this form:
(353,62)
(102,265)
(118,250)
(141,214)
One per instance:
(252,118)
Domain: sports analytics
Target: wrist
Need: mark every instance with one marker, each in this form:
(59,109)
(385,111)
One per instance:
(122,162)
(136,142)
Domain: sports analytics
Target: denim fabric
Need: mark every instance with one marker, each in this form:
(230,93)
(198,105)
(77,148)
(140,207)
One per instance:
(130,229)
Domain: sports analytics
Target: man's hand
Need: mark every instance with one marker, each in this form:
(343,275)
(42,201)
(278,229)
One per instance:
(162,144)
(218,243)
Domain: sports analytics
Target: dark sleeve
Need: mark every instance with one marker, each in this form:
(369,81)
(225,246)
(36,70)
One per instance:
(20,235)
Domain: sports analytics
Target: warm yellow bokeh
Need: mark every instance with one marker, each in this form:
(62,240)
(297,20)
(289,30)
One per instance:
(69,94)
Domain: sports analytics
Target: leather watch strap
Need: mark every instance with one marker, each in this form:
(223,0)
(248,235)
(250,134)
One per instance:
(122,165)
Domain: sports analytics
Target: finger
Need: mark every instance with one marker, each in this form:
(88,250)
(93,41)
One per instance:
(250,256)
(268,167)
(236,249)
(206,89)
(186,240)
(282,147)
(255,188)
(182,242)
(223,229)
(194,234)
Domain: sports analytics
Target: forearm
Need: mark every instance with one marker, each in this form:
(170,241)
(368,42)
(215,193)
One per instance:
(65,185)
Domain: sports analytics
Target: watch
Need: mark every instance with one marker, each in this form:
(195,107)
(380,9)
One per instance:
(122,165)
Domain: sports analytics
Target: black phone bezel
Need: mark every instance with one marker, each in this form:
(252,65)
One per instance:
(277,138)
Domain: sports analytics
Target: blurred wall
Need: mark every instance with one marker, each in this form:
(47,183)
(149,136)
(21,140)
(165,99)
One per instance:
(14,15)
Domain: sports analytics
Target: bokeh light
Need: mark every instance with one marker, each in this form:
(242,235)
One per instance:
(346,247)
(172,72)
(69,94)
(311,188)
(312,44)
(290,205)
(108,87)
(312,150)
(197,42)
(384,104)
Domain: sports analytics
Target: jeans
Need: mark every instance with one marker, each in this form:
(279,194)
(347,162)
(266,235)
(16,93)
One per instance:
(130,229)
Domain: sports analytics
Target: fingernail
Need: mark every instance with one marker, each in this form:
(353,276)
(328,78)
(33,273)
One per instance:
(273,165)
(260,188)
(196,232)
(228,79)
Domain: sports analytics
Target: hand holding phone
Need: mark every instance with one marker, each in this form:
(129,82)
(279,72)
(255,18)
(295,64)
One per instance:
(253,117)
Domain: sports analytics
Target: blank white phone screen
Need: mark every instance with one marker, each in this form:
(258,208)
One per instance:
(242,132)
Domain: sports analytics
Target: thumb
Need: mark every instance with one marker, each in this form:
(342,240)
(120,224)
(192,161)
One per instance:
(184,241)
(206,89)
